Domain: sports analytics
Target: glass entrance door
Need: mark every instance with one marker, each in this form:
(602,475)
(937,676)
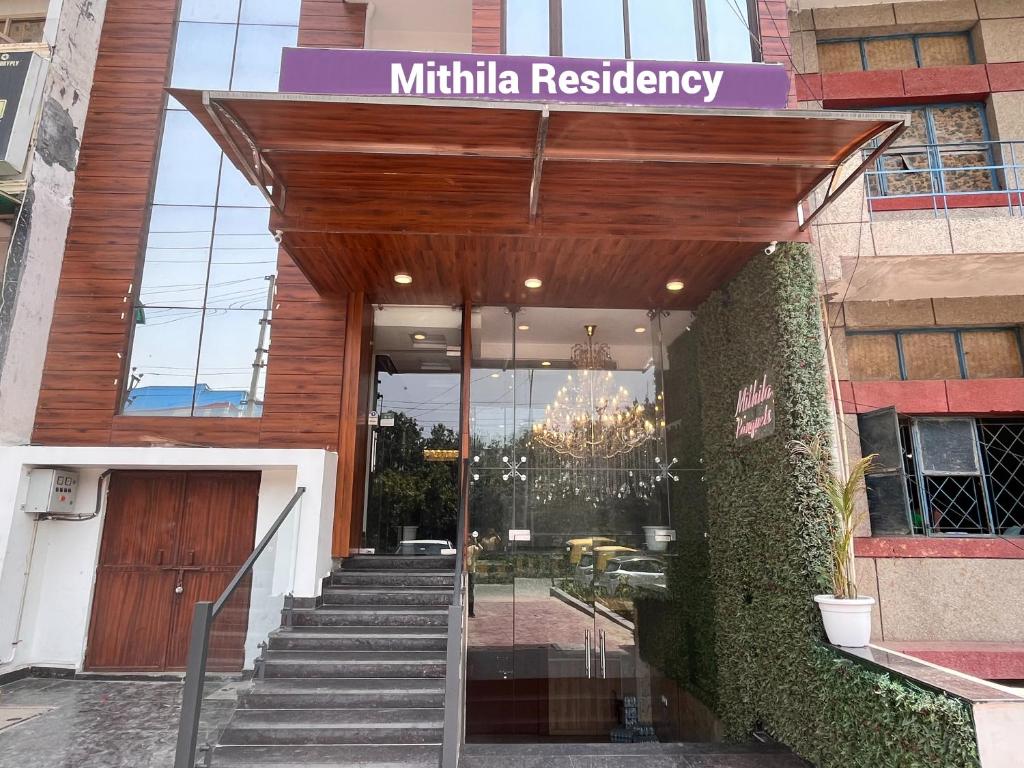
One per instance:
(412,496)
(570,501)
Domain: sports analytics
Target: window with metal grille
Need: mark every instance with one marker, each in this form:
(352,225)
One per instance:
(951,476)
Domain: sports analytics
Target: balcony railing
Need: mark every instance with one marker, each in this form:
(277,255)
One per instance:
(941,177)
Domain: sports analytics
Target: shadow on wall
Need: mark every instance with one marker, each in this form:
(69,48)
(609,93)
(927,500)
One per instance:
(738,629)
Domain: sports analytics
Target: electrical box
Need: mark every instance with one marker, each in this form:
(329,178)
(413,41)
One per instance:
(51,491)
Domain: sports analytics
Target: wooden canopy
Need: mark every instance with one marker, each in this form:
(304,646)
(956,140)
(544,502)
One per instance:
(470,198)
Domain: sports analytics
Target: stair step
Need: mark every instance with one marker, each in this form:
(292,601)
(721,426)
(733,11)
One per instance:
(344,693)
(329,756)
(305,640)
(425,716)
(419,664)
(400,562)
(410,732)
(373,616)
(407,577)
(374,596)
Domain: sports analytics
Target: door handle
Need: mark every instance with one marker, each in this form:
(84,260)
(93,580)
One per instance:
(601,644)
(587,659)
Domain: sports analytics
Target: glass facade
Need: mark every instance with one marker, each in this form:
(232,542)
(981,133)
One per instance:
(203,309)
(666,30)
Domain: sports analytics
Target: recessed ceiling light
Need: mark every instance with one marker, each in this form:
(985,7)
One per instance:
(533,282)
(640,329)
(495,375)
(546,364)
(524,327)
(674,285)
(420,336)
(403,279)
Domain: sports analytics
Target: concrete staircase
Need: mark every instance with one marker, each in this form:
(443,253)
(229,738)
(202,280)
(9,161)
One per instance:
(356,681)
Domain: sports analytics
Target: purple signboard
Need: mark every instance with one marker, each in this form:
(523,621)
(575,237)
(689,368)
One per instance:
(358,72)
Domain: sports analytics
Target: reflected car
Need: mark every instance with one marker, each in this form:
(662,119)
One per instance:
(632,571)
(429,547)
(595,562)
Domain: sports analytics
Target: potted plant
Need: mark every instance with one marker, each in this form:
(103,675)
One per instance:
(845,613)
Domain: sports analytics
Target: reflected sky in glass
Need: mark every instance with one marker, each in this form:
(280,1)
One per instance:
(202,56)
(728,30)
(528,27)
(258,57)
(271,12)
(224,11)
(177,256)
(227,356)
(593,28)
(662,30)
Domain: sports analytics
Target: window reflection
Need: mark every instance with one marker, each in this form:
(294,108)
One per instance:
(270,12)
(162,372)
(177,256)
(224,11)
(244,258)
(189,159)
(202,56)
(255,69)
(232,363)
(593,28)
(528,27)
(202,321)
(662,30)
(729,34)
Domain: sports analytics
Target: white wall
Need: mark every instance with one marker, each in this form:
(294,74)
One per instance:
(58,590)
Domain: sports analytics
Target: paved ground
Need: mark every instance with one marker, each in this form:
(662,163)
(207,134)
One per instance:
(132,724)
(94,723)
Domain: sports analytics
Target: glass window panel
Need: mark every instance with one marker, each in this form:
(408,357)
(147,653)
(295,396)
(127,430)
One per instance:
(244,256)
(202,56)
(177,256)
(728,30)
(840,57)
(26,30)
(895,53)
(930,356)
(908,173)
(973,170)
(258,56)
(271,12)
(235,189)
(947,445)
(189,160)
(992,354)
(230,352)
(593,28)
(163,362)
(944,51)
(917,132)
(528,27)
(224,11)
(873,357)
(958,123)
(662,30)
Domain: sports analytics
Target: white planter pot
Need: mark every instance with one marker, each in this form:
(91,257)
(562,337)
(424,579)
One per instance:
(847,620)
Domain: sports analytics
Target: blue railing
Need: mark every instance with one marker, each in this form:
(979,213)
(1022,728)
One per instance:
(941,177)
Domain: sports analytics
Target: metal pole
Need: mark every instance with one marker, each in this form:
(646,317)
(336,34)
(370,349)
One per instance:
(257,363)
(192,698)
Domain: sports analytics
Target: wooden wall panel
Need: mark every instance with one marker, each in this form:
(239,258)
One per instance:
(332,24)
(84,359)
(486,26)
(89,340)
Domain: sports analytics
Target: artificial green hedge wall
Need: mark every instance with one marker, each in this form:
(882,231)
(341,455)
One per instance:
(767,552)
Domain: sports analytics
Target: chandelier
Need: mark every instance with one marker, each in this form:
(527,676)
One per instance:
(590,416)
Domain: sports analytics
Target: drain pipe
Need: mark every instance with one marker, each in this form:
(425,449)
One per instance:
(837,396)
(24,593)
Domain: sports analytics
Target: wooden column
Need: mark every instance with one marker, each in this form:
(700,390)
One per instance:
(352,428)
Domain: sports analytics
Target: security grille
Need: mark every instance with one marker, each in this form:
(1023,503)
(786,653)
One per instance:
(1002,445)
(955,504)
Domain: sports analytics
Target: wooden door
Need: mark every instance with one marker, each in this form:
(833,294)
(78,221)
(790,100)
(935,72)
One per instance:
(169,540)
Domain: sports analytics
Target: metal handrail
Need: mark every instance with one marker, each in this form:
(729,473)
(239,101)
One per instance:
(199,646)
(1003,161)
(454,691)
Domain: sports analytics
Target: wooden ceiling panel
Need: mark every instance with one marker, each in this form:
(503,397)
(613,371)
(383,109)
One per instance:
(604,204)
